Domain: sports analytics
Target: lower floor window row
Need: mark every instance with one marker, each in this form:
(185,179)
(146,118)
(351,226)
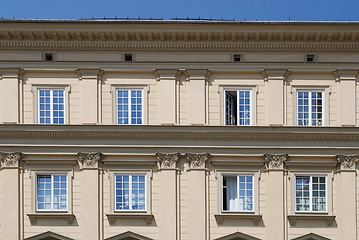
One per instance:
(131,191)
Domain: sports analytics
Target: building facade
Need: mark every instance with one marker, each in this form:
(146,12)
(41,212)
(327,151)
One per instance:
(179,130)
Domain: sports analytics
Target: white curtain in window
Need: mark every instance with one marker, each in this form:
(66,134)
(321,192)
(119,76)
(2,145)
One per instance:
(232,197)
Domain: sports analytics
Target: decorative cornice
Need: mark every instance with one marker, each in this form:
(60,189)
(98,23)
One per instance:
(89,160)
(11,159)
(275,161)
(275,74)
(167,160)
(182,46)
(197,160)
(347,162)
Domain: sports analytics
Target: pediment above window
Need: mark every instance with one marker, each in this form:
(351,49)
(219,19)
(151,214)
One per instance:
(311,236)
(238,236)
(128,236)
(48,236)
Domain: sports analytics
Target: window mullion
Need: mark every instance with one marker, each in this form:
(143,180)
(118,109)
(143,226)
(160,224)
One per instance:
(237,107)
(310,108)
(311,193)
(130,191)
(52,192)
(129,107)
(238,206)
(51,107)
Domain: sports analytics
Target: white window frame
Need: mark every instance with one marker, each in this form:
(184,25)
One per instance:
(148,177)
(311,194)
(52,193)
(130,192)
(143,88)
(292,176)
(34,181)
(325,102)
(37,88)
(253,192)
(253,93)
(310,92)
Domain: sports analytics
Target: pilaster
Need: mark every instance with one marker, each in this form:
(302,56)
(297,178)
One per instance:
(275,218)
(168,94)
(90,94)
(10,94)
(347,96)
(198,206)
(10,210)
(275,95)
(90,182)
(169,199)
(197,95)
(347,190)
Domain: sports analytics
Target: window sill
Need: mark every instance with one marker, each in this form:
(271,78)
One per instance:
(69,217)
(255,217)
(113,216)
(311,216)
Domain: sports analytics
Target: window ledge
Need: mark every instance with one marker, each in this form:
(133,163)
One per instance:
(34,216)
(113,216)
(255,217)
(321,217)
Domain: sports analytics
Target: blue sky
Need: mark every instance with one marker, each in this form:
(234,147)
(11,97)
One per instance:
(250,10)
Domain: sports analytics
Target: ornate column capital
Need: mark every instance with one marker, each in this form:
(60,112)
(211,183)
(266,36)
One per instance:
(347,162)
(89,160)
(275,161)
(11,159)
(89,73)
(167,160)
(197,160)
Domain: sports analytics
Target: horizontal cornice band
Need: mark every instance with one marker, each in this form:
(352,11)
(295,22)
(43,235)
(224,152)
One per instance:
(227,47)
(181,133)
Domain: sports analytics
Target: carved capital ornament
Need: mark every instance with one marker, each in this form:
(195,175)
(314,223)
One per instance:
(347,162)
(89,160)
(197,160)
(11,159)
(275,161)
(167,160)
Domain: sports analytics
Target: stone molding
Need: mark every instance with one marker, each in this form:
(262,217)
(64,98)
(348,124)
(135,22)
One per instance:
(275,74)
(10,159)
(167,160)
(347,162)
(197,74)
(275,161)
(346,74)
(89,73)
(204,47)
(166,74)
(89,160)
(197,160)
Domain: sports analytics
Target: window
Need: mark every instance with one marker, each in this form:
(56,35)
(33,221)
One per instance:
(310,58)
(237,58)
(52,192)
(310,108)
(238,109)
(48,57)
(130,192)
(238,193)
(129,106)
(128,57)
(51,106)
(311,194)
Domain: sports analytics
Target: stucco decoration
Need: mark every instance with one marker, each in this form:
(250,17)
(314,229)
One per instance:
(275,161)
(11,159)
(89,160)
(347,162)
(167,160)
(197,160)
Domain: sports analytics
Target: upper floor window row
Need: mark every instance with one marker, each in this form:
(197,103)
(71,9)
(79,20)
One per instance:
(129,107)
